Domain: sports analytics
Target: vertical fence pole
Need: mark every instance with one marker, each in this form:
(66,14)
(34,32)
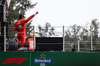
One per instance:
(34,37)
(91,37)
(91,43)
(5,38)
(78,46)
(63,39)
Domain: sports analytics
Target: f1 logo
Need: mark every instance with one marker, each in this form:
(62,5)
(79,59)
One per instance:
(13,60)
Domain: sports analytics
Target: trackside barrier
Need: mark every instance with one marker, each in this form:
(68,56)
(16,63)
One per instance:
(49,59)
(58,31)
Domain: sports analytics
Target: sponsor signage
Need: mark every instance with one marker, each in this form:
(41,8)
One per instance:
(13,60)
(36,60)
(49,59)
(42,60)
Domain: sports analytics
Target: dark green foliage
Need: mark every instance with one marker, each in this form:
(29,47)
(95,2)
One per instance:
(29,29)
(18,7)
(94,29)
(72,34)
(46,31)
(83,34)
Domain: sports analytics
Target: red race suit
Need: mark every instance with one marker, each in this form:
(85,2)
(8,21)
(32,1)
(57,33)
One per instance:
(20,27)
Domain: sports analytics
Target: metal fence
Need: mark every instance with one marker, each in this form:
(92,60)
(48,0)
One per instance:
(71,35)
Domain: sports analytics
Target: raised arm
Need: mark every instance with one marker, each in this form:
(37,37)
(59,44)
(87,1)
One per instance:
(29,18)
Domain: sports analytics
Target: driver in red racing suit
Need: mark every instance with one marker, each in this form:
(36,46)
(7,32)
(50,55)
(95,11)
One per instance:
(20,27)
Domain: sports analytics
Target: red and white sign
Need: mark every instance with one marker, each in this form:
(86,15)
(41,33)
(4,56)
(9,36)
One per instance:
(31,46)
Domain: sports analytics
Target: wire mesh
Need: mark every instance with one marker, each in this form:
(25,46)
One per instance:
(71,35)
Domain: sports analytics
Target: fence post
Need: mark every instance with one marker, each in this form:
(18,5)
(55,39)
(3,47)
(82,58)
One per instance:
(34,37)
(5,38)
(91,37)
(63,39)
(78,46)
